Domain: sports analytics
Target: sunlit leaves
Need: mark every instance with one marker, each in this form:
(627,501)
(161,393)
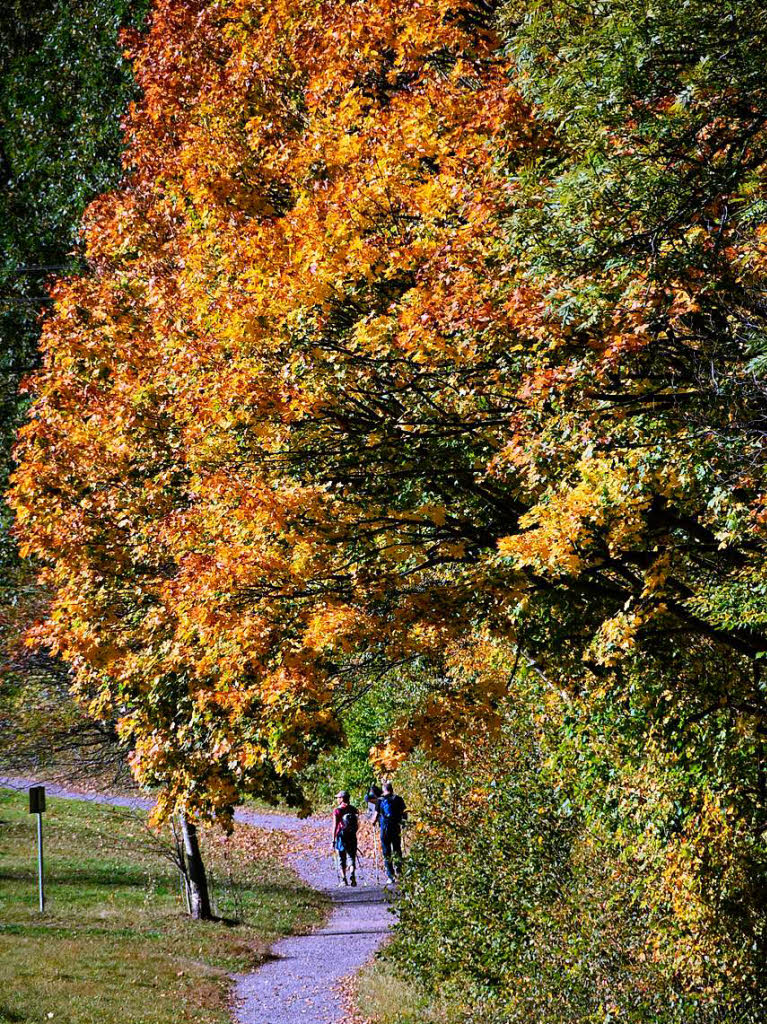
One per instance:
(411,342)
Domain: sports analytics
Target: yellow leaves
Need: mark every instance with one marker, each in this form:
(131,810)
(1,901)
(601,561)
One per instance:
(335,627)
(467,705)
(303,559)
(606,504)
(615,638)
(428,638)
(436,513)
(656,575)
(312,226)
(718,838)
(387,758)
(374,334)
(508,546)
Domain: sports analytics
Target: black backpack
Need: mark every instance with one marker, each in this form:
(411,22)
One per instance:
(349,823)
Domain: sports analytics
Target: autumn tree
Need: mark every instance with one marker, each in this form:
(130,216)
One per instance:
(190,514)
(421,338)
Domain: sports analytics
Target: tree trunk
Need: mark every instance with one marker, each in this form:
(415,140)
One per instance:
(197,883)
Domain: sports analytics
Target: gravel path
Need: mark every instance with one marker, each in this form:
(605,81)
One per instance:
(300,983)
(136,803)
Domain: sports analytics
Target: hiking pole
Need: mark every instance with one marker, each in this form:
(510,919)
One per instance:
(336,864)
(339,872)
(376,859)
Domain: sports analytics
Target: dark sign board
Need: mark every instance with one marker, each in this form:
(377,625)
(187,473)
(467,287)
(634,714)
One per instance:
(36,799)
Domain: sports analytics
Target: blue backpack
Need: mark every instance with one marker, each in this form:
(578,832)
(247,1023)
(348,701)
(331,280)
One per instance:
(391,810)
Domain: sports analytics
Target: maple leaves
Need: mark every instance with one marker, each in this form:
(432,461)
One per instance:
(259,267)
(373,367)
(390,359)
(308,364)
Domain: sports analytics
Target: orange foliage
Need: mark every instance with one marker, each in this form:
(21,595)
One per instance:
(310,206)
(296,417)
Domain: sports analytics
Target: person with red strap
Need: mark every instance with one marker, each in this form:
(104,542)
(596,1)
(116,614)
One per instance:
(345,824)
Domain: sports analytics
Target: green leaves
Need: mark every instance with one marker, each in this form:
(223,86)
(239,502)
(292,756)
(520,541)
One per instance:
(405,346)
(64,86)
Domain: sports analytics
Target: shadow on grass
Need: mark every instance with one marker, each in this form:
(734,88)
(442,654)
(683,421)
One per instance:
(108,875)
(9,1016)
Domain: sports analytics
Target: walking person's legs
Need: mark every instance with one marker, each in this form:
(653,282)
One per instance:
(377,861)
(396,845)
(353,861)
(386,850)
(342,860)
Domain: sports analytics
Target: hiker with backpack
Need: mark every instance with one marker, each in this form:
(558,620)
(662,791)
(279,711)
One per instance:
(390,813)
(345,824)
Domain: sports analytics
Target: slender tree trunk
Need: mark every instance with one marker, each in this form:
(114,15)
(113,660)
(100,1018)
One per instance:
(197,883)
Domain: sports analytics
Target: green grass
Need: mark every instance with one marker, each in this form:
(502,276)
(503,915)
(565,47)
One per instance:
(114,945)
(382,996)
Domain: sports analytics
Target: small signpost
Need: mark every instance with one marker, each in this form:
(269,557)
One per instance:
(37,806)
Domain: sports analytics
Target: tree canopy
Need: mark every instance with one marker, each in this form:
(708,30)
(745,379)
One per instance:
(426,337)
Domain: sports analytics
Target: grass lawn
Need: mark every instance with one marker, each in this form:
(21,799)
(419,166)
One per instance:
(114,945)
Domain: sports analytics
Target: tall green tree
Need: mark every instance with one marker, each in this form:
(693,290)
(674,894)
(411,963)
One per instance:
(64,87)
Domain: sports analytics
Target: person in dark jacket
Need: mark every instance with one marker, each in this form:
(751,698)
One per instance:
(372,797)
(390,813)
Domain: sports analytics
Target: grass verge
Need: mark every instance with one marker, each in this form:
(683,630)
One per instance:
(382,996)
(114,946)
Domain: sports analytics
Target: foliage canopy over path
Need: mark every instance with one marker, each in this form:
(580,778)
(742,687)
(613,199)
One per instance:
(427,336)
